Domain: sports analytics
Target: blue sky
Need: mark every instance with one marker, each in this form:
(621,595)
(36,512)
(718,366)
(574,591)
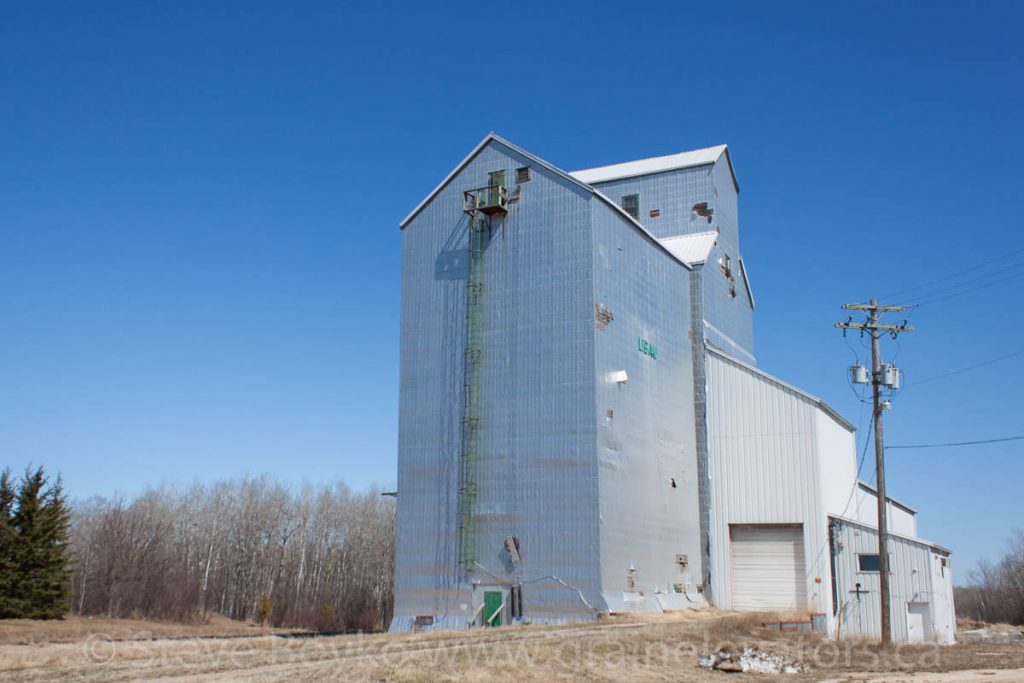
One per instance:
(199,207)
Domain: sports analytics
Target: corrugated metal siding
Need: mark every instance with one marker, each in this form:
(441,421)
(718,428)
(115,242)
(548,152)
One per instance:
(649,439)
(764,469)
(673,194)
(911,581)
(537,472)
(730,318)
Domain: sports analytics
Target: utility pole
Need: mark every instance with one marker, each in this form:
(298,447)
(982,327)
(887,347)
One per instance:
(887,376)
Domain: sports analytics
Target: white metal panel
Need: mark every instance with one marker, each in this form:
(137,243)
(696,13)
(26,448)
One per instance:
(670,162)
(902,521)
(764,470)
(864,508)
(693,248)
(837,454)
(768,568)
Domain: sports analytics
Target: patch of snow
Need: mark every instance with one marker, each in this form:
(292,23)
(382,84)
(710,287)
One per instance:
(750,660)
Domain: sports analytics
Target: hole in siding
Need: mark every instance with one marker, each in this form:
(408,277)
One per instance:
(702,210)
(602,316)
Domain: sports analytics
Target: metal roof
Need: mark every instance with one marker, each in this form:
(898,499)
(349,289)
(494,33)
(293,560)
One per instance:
(670,162)
(494,137)
(903,537)
(873,491)
(693,248)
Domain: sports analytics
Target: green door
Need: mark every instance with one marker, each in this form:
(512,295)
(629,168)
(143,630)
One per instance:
(492,608)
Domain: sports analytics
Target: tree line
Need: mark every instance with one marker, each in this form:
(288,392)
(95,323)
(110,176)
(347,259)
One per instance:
(319,557)
(995,591)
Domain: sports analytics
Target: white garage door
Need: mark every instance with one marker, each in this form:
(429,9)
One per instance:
(768,570)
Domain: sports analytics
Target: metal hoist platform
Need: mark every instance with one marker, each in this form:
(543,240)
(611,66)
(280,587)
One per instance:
(479,205)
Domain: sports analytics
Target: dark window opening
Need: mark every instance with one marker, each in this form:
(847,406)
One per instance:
(869,563)
(655,213)
(516,601)
(631,205)
(523,174)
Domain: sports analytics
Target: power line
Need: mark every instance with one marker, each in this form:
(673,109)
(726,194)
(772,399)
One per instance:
(969,367)
(966,291)
(863,455)
(960,443)
(955,275)
(929,295)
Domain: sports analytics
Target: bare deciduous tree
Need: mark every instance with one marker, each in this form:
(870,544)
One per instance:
(250,549)
(995,592)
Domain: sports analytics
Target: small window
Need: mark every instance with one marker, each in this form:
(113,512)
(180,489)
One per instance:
(523,174)
(869,563)
(631,205)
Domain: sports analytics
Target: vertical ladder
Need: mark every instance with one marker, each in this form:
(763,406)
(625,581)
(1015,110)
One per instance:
(471,395)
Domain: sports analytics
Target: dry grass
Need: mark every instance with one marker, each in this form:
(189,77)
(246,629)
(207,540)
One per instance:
(73,629)
(653,648)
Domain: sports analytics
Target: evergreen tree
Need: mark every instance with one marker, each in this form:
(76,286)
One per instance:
(50,594)
(7,544)
(39,525)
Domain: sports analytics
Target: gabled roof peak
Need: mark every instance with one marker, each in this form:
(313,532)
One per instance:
(660,164)
(494,137)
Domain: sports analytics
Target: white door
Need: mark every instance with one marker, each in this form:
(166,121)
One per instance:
(918,622)
(768,569)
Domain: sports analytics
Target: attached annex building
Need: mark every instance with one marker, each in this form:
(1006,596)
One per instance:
(583,428)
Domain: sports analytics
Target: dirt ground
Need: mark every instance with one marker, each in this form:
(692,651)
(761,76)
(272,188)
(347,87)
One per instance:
(664,648)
